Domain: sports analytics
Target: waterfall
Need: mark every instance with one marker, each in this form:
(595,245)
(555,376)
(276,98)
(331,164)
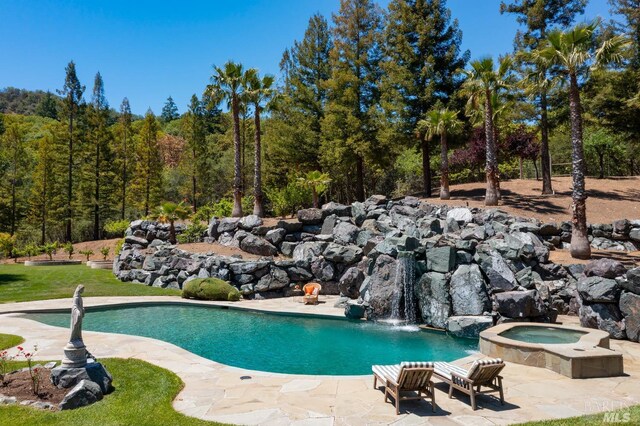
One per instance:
(403,305)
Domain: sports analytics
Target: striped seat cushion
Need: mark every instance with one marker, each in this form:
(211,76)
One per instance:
(417,364)
(444,369)
(482,362)
(387,372)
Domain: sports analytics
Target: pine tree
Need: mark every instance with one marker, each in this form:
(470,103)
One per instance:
(422,45)
(169,111)
(72,92)
(193,129)
(350,127)
(148,177)
(48,106)
(539,17)
(100,168)
(124,152)
(14,150)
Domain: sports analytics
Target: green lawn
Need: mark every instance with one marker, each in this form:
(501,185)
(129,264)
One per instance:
(20,283)
(143,396)
(630,416)
(9,341)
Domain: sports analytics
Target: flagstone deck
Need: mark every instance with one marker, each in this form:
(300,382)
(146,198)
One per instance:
(214,391)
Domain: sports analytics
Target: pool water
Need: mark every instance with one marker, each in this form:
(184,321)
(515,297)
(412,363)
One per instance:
(544,335)
(275,343)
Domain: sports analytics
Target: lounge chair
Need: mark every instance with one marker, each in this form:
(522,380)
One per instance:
(406,377)
(483,373)
(311,292)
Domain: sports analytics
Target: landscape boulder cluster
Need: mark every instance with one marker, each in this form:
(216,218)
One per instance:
(468,268)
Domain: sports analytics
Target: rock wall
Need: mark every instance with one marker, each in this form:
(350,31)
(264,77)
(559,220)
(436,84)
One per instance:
(473,268)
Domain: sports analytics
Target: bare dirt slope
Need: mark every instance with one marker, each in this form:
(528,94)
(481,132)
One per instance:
(609,199)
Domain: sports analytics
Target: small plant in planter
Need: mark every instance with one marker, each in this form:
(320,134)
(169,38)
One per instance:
(31,250)
(68,248)
(86,253)
(50,249)
(105,252)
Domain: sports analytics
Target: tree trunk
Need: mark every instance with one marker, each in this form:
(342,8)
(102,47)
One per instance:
(96,206)
(69,182)
(535,166)
(491,168)
(580,248)
(521,169)
(257,165)
(172,232)
(426,164)
(237,170)
(194,181)
(601,162)
(545,158)
(44,208)
(315,197)
(124,176)
(444,167)
(360,178)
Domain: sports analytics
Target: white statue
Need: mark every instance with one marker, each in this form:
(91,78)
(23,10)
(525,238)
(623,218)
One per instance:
(75,353)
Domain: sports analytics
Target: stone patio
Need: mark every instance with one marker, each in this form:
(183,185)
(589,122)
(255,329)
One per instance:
(214,391)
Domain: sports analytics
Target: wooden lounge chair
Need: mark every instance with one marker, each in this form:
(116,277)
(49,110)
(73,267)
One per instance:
(483,373)
(311,292)
(406,377)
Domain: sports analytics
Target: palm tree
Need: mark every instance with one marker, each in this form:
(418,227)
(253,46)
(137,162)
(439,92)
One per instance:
(441,122)
(227,83)
(484,82)
(317,182)
(258,91)
(572,52)
(170,212)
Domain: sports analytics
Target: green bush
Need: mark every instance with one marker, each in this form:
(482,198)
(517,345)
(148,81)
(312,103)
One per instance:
(118,247)
(192,234)
(116,228)
(210,289)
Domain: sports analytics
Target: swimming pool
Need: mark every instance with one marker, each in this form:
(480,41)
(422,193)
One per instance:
(274,343)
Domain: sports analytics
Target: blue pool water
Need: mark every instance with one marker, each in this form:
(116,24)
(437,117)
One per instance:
(275,343)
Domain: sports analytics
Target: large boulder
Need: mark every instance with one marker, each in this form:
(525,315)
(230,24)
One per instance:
(500,276)
(339,210)
(606,268)
(322,269)
(311,216)
(603,316)
(141,241)
(630,308)
(391,245)
(65,377)
(309,250)
(350,283)
(210,289)
(275,236)
(519,304)
(342,254)
(276,279)
(345,233)
(249,222)
(632,283)
(354,310)
(598,290)
(441,259)
(257,245)
(468,327)
(84,393)
(462,215)
(432,292)
(228,224)
(381,287)
(468,291)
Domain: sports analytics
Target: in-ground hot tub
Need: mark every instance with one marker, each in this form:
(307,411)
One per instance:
(572,351)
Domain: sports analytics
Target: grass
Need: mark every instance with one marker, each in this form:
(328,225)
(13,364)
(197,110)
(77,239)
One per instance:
(19,283)
(9,341)
(629,416)
(143,396)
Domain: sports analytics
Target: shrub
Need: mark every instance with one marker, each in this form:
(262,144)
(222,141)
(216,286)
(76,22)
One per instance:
(50,249)
(192,234)
(116,228)
(7,244)
(210,289)
(290,199)
(118,247)
(68,248)
(86,253)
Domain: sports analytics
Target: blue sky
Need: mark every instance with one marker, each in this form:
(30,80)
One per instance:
(148,50)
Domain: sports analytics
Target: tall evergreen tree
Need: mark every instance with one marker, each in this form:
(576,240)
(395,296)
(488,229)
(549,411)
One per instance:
(126,139)
(15,151)
(97,117)
(148,175)
(422,45)
(350,127)
(72,99)
(169,111)
(539,17)
(194,133)
(48,106)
